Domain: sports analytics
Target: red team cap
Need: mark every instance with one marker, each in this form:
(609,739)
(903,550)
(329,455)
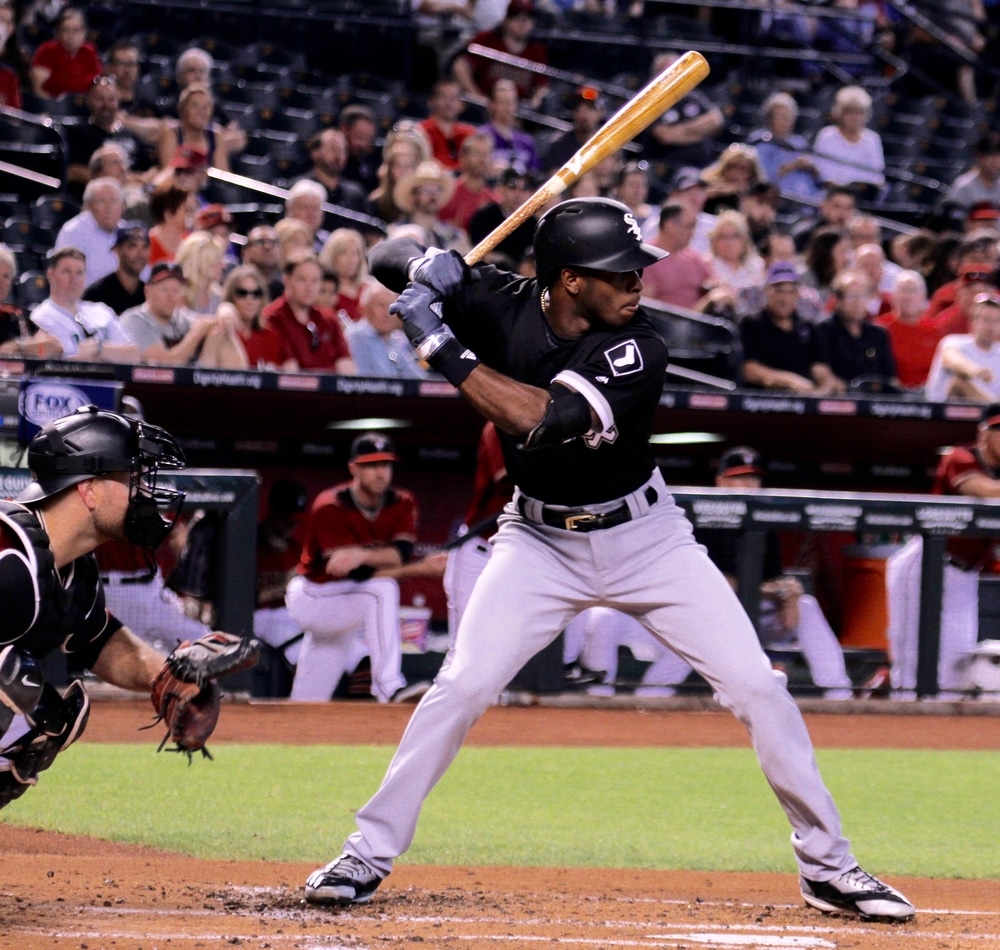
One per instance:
(372,447)
(991,416)
(742,460)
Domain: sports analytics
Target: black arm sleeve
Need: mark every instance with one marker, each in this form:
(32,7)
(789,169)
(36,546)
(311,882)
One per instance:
(388,261)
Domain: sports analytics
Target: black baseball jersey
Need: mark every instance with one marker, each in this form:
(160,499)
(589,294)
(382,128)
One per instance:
(46,609)
(619,371)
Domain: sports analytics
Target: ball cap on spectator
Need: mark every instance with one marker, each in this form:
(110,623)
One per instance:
(130,231)
(513,177)
(189,158)
(587,96)
(212,215)
(782,272)
(991,416)
(516,7)
(165,270)
(741,460)
(373,447)
(977,273)
(687,177)
(428,172)
(984,211)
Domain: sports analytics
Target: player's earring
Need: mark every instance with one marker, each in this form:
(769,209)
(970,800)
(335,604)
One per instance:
(545,300)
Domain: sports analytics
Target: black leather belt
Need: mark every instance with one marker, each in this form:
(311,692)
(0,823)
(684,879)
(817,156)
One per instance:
(582,519)
(129,579)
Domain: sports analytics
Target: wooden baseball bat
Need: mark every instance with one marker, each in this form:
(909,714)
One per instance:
(648,104)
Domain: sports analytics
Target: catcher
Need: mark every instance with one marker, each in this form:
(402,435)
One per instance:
(94,479)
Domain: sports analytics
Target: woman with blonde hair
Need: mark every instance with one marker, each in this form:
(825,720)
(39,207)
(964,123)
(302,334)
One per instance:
(733,173)
(344,255)
(736,267)
(847,151)
(194,126)
(402,153)
(200,256)
(294,237)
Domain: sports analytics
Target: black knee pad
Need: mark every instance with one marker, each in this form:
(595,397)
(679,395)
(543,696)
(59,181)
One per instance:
(57,721)
(21,684)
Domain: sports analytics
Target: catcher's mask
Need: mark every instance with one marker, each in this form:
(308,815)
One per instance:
(92,442)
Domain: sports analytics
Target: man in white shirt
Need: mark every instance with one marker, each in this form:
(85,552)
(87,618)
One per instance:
(967,365)
(74,328)
(95,228)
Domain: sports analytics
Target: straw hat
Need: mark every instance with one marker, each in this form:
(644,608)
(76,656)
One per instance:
(427,172)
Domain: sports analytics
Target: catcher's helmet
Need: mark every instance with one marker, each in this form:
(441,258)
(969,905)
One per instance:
(595,233)
(92,442)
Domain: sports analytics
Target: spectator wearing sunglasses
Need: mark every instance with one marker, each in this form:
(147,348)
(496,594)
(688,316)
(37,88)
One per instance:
(311,338)
(246,293)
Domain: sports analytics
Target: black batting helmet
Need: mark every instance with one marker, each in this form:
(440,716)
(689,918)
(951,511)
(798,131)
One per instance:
(595,233)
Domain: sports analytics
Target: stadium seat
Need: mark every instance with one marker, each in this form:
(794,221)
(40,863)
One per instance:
(32,288)
(54,210)
(261,95)
(20,230)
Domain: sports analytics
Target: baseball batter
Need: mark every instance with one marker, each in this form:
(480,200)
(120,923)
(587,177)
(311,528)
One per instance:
(570,370)
(965,470)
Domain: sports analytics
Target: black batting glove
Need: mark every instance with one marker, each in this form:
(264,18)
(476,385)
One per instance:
(420,310)
(443,271)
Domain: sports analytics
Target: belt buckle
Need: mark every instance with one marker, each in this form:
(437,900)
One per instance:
(575,522)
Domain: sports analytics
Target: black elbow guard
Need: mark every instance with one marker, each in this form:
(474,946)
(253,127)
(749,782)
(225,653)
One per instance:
(565,418)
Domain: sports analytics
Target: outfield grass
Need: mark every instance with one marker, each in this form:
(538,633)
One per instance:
(914,813)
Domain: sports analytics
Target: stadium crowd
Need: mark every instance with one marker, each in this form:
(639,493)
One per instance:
(772,215)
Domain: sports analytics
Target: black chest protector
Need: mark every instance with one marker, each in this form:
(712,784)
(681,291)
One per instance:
(42,612)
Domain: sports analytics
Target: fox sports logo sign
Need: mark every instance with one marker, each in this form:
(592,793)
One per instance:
(43,402)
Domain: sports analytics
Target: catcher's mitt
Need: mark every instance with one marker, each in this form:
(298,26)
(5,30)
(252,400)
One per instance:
(185,693)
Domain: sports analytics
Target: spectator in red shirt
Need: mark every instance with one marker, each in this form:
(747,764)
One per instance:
(14,65)
(245,290)
(311,338)
(972,280)
(472,189)
(912,336)
(681,279)
(477,74)
(442,127)
(67,64)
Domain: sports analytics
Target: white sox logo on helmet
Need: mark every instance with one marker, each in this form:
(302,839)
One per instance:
(633,226)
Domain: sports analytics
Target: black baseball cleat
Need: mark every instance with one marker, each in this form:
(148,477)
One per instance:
(857,892)
(347,880)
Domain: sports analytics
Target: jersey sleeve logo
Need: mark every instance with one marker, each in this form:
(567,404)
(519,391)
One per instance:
(624,359)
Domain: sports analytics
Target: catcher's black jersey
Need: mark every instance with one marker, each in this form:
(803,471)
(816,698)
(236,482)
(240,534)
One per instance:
(619,371)
(45,610)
